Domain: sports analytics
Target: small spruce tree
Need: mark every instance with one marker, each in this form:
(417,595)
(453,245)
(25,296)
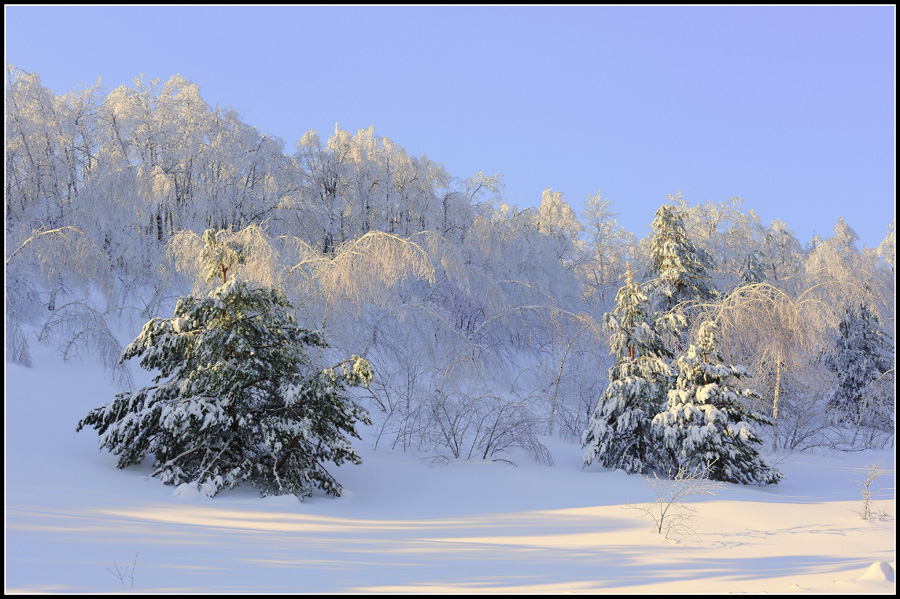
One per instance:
(619,434)
(236,398)
(864,354)
(706,423)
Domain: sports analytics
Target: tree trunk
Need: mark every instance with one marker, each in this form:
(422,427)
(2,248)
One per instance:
(778,369)
(558,379)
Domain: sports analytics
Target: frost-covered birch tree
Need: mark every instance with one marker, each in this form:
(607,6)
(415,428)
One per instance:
(607,248)
(777,335)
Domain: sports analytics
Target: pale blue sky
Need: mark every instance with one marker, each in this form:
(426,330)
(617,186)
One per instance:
(791,108)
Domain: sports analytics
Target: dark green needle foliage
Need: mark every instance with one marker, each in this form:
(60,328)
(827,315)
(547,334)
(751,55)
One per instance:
(236,398)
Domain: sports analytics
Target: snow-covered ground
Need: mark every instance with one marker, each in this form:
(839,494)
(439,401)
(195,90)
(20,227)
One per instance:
(75,523)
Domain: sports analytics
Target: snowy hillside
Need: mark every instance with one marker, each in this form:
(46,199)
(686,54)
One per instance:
(74,523)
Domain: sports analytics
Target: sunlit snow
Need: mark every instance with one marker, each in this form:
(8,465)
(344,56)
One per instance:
(75,523)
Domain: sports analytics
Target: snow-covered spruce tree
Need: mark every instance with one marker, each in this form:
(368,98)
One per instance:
(864,354)
(236,398)
(706,423)
(619,433)
(679,267)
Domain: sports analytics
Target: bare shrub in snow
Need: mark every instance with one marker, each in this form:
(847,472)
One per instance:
(867,511)
(122,571)
(670,514)
(484,427)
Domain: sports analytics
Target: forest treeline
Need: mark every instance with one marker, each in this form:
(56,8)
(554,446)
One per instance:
(483,322)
